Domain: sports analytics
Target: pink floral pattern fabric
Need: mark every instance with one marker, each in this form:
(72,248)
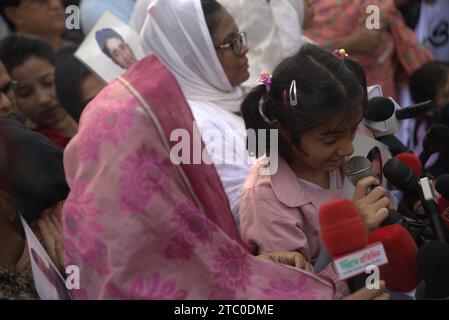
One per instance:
(192,228)
(152,289)
(79,221)
(111,123)
(80,226)
(141,227)
(143,176)
(290,289)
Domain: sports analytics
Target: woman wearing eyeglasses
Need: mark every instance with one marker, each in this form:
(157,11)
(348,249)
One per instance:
(274,30)
(200,43)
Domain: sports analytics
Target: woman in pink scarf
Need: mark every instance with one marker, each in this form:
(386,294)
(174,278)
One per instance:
(139,226)
(391,52)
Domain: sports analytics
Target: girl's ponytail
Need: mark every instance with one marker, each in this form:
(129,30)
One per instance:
(253,114)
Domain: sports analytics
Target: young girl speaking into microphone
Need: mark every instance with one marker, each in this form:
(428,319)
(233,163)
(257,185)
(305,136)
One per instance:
(317,104)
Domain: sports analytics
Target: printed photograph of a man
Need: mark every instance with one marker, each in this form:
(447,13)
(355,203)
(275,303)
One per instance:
(114,46)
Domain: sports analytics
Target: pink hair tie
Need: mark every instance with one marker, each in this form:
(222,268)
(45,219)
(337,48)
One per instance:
(340,54)
(265,78)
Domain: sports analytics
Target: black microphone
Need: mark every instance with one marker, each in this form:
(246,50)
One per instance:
(414,111)
(433,142)
(433,262)
(431,208)
(394,217)
(395,146)
(402,177)
(379,109)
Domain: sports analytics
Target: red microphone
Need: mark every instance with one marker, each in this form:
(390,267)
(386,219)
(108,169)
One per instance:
(442,187)
(341,227)
(345,237)
(411,161)
(401,274)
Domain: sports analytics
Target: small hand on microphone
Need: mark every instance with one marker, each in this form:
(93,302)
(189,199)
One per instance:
(373,207)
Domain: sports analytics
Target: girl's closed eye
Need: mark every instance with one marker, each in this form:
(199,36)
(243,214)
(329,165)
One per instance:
(24,92)
(330,142)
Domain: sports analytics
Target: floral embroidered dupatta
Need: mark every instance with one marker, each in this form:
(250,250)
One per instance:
(139,226)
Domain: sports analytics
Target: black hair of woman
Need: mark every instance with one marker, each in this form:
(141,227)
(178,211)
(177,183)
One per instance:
(426,81)
(210,7)
(68,75)
(15,49)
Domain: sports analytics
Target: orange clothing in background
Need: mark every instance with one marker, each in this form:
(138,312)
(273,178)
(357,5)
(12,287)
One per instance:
(399,51)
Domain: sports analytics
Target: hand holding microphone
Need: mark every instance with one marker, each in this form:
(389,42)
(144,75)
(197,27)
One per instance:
(369,294)
(373,207)
(370,200)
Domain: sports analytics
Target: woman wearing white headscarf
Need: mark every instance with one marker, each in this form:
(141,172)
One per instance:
(273,28)
(207,54)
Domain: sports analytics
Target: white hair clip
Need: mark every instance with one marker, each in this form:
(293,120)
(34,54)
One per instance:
(293,94)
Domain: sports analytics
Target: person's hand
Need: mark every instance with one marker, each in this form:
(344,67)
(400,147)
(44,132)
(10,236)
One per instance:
(373,207)
(369,294)
(291,258)
(362,40)
(50,229)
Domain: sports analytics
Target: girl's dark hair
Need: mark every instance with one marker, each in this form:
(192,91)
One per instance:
(15,49)
(427,80)
(327,91)
(69,73)
(210,8)
(358,71)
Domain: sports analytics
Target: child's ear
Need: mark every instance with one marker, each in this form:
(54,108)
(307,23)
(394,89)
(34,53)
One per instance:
(282,132)
(12,14)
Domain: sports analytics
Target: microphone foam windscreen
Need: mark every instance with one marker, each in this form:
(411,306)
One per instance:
(401,176)
(379,109)
(401,273)
(357,168)
(433,261)
(341,227)
(411,161)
